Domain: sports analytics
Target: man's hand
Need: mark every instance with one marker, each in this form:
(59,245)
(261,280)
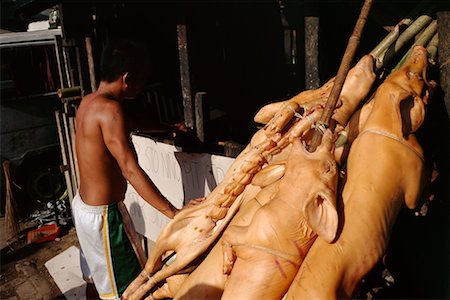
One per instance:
(172,211)
(181,126)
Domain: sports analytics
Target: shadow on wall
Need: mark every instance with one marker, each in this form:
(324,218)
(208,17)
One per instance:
(196,175)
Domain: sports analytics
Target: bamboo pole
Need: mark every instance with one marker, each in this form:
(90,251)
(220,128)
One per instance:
(404,38)
(74,92)
(90,58)
(420,23)
(68,140)
(74,152)
(432,49)
(379,52)
(341,75)
(64,156)
(422,40)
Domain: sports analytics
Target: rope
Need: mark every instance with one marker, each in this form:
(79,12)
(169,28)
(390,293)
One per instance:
(296,114)
(395,138)
(274,252)
(321,127)
(300,116)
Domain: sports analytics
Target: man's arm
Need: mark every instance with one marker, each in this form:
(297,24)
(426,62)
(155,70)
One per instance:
(118,143)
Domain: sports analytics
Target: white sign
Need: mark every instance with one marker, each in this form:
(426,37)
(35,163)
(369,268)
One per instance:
(178,175)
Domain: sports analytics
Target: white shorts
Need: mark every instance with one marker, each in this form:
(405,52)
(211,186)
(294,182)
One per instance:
(110,244)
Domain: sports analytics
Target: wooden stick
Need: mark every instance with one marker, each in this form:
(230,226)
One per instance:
(90,57)
(341,75)
(74,152)
(64,169)
(70,92)
(71,162)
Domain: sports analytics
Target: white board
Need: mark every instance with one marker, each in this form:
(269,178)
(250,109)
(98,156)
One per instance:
(66,272)
(178,175)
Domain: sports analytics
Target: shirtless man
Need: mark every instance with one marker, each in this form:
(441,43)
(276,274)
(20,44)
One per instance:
(107,160)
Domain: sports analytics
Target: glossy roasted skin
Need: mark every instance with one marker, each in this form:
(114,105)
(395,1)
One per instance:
(385,170)
(355,89)
(263,257)
(208,281)
(105,154)
(194,230)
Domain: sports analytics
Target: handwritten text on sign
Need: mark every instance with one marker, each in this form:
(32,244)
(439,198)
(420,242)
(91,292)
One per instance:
(178,175)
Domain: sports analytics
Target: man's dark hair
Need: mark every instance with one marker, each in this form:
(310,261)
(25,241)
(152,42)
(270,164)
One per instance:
(122,56)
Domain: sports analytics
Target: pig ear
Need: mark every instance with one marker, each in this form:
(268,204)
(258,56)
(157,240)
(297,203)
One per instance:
(412,113)
(322,216)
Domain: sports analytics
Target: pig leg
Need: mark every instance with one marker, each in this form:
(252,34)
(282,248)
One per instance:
(235,235)
(266,268)
(169,288)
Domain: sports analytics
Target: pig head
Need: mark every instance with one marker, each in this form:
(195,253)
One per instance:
(357,85)
(194,230)
(207,281)
(263,257)
(385,170)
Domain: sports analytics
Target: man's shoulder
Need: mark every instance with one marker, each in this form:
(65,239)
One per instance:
(99,103)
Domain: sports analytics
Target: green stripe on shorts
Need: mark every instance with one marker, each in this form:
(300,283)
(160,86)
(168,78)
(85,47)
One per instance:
(125,262)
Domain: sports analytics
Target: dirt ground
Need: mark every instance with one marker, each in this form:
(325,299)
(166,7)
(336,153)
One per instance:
(33,256)
(416,261)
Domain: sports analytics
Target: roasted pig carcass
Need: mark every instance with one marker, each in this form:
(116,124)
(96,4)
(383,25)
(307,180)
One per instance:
(356,86)
(194,229)
(263,258)
(207,281)
(385,169)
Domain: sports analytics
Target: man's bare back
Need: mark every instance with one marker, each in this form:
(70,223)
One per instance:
(101,180)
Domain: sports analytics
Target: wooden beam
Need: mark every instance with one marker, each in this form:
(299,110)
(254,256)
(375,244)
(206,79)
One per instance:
(312,79)
(185,77)
(443,19)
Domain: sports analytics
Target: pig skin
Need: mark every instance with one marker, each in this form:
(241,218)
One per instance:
(194,230)
(385,170)
(223,210)
(264,256)
(207,281)
(356,87)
